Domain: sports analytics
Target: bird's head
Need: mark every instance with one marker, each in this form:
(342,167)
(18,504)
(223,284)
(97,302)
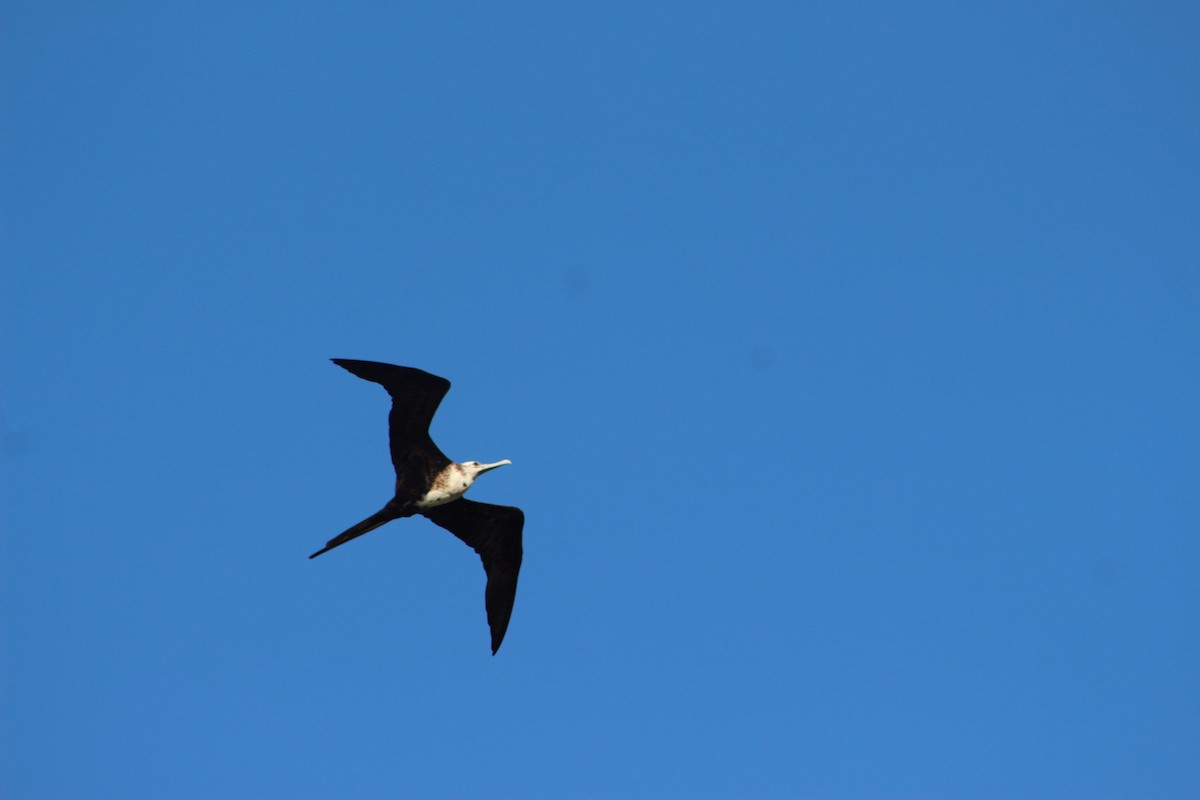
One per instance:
(475,469)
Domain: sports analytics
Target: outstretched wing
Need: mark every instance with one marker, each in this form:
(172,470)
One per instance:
(495,533)
(416,396)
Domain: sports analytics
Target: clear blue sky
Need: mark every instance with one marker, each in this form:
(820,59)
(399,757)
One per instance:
(848,357)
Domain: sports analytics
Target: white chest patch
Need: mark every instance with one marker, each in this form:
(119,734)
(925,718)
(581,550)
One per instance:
(450,484)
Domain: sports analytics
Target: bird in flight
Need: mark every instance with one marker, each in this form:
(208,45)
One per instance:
(430,484)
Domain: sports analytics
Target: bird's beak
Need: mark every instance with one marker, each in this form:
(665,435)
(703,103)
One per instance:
(488,467)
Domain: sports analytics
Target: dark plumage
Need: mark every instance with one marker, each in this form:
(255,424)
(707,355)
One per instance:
(430,484)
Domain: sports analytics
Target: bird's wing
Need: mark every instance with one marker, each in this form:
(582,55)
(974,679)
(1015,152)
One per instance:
(495,533)
(416,396)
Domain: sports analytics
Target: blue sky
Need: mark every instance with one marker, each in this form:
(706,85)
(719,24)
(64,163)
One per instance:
(846,355)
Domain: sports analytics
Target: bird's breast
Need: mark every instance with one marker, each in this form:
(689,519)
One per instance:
(449,485)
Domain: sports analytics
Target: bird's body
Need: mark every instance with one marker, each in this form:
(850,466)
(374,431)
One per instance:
(430,484)
(452,483)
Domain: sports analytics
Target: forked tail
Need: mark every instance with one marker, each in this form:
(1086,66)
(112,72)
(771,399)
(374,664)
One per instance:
(366,526)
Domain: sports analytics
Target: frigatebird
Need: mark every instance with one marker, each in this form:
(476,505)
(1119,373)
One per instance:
(430,484)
